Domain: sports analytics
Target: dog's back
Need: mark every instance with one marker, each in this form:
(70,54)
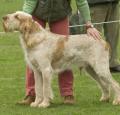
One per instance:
(77,50)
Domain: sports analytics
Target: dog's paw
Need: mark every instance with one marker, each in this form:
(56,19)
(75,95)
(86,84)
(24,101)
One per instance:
(36,103)
(116,102)
(104,99)
(44,105)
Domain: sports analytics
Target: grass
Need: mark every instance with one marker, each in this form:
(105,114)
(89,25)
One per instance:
(12,81)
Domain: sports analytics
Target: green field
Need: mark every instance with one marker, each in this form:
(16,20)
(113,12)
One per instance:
(12,81)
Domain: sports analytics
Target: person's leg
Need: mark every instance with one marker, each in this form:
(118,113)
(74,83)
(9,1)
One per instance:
(65,78)
(29,82)
(108,12)
(112,35)
(98,14)
(30,91)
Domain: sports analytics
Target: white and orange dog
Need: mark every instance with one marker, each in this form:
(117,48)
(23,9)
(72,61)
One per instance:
(46,53)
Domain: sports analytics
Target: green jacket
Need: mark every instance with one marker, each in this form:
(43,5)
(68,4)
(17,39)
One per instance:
(52,10)
(100,1)
(30,5)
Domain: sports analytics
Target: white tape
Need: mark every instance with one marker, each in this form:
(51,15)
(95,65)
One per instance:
(109,22)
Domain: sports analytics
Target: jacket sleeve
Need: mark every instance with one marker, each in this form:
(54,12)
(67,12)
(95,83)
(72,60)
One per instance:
(29,6)
(83,7)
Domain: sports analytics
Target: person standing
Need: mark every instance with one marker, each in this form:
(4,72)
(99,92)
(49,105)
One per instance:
(102,11)
(55,13)
(105,11)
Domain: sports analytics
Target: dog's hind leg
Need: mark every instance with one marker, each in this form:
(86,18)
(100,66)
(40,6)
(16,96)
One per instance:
(104,87)
(105,76)
(38,88)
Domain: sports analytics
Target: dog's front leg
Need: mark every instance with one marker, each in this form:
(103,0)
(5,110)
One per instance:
(47,90)
(38,88)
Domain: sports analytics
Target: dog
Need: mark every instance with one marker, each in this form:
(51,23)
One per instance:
(47,53)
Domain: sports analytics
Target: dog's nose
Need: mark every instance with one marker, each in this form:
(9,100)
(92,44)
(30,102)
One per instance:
(5,17)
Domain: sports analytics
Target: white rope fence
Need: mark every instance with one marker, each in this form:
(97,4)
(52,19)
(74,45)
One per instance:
(109,22)
(73,26)
(5,32)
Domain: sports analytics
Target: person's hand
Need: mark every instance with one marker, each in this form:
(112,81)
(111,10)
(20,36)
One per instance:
(94,33)
(91,31)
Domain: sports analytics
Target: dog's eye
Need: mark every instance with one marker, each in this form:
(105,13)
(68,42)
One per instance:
(5,17)
(16,16)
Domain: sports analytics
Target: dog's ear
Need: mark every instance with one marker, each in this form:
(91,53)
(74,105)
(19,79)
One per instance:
(28,26)
(25,24)
(17,16)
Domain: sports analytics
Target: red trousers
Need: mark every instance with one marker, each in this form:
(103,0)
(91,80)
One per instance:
(65,78)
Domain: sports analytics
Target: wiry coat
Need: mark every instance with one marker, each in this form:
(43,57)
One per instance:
(46,53)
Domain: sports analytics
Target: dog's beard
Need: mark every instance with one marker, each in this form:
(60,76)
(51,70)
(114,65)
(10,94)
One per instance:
(8,27)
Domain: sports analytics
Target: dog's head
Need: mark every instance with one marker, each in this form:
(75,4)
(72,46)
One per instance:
(20,21)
